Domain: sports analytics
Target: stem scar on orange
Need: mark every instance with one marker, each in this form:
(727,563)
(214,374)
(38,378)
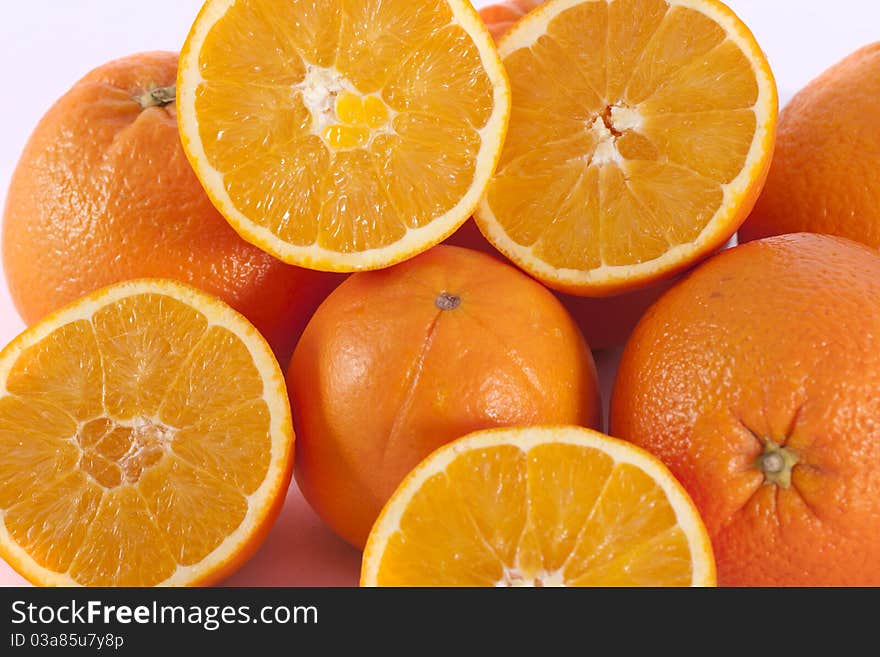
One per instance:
(397,362)
(757,381)
(103,193)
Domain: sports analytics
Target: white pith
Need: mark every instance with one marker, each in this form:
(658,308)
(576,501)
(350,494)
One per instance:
(622,118)
(514,578)
(320,88)
(606,147)
(149,437)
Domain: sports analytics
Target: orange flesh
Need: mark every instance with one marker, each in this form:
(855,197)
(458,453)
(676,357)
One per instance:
(355,124)
(642,113)
(130,442)
(558,514)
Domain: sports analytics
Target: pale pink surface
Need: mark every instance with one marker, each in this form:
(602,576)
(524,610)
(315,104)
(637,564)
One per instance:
(44,56)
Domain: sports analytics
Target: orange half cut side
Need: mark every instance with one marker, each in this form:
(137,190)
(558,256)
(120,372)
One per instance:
(641,133)
(145,439)
(540,506)
(342,135)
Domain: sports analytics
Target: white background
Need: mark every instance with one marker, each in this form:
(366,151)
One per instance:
(46,45)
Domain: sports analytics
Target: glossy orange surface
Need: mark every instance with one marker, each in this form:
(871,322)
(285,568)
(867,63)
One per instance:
(398,362)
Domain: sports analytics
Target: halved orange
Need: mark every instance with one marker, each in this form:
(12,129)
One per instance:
(145,439)
(640,135)
(342,135)
(539,506)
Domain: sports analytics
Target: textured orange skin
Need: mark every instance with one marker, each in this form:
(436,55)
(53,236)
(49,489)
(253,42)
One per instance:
(606,322)
(778,339)
(104,193)
(824,175)
(500,17)
(382,377)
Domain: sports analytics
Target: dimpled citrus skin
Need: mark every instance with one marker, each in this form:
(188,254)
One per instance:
(824,174)
(103,193)
(383,376)
(776,340)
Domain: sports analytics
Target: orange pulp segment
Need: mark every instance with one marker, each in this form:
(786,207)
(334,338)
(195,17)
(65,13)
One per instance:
(145,439)
(342,135)
(640,135)
(541,506)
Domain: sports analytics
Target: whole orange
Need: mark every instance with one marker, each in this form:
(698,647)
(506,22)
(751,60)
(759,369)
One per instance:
(824,174)
(103,193)
(396,363)
(757,381)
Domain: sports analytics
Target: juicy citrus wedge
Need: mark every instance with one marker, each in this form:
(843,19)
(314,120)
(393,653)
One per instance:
(145,438)
(342,135)
(640,135)
(541,506)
